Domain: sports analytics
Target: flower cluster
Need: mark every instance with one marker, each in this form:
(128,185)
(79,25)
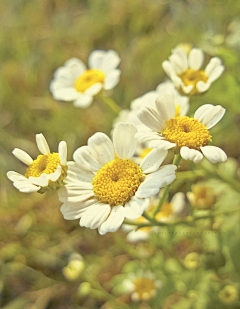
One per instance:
(109,181)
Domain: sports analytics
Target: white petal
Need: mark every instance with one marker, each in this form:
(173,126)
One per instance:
(62,151)
(101,148)
(64,77)
(74,195)
(214,154)
(202,87)
(72,211)
(178,202)
(63,93)
(124,140)
(22,156)
(177,63)
(202,111)
(25,187)
(162,145)
(151,119)
(76,65)
(212,65)
(41,181)
(183,102)
(112,79)
(14,176)
(153,182)
(191,154)
(187,89)
(95,215)
(214,116)
(77,172)
(83,157)
(135,207)
(114,221)
(42,144)
(95,60)
(54,176)
(153,160)
(146,100)
(83,100)
(94,89)
(183,56)
(168,68)
(195,58)
(138,235)
(111,61)
(216,73)
(166,107)
(143,136)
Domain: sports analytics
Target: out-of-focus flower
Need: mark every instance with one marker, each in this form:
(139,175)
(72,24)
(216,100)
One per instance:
(74,82)
(202,196)
(185,46)
(46,172)
(190,135)
(191,260)
(232,38)
(229,294)
(148,100)
(142,286)
(185,70)
(172,300)
(84,289)
(74,268)
(104,185)
(168,212)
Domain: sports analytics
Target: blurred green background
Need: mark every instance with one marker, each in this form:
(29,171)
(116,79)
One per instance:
(37,37)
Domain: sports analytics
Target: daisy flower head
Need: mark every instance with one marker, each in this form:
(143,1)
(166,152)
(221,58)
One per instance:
(142,286)
(74,82)
(190,135)
(45,173)
(184,69)
(168,212)
(148,100)
(104,186)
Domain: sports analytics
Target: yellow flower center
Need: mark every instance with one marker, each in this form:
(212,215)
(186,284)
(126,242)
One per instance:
(145,288)
(192,77)
(166,211)
(117,181)
(89,78)
(185,131)
(47,164)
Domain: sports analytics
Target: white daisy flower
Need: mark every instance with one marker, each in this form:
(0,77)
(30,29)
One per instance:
(185,70)
(102,189)
(168,212)
(45,173)
(74,82)
(148,100)
(142,286)
(190,135)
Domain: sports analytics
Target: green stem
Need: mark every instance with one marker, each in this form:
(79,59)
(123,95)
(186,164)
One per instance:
(188,220)
(112,104)
(164,197)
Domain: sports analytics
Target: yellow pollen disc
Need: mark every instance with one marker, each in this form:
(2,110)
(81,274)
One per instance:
(47,164)
(185,131)
(89,78)
(192,77)
(143,286)
(166,211)
(117,181)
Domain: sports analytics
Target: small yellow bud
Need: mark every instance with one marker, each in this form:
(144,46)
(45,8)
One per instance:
(229,294)
(72,271)
(191,260)
(84,289)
